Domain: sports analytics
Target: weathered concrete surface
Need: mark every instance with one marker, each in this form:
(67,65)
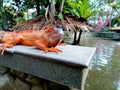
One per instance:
(37,87)
(21,85)
(3,70)
(77,55)
(6,82)
(67,68)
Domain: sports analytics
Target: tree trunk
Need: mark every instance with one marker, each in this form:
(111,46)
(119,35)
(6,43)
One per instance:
(61,6)
(38,7)
(79,37)
(77,40)
(52,9)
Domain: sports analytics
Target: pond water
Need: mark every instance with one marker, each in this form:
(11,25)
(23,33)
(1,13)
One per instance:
(104,73)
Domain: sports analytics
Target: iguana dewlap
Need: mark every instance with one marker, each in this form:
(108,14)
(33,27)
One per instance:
(42,39)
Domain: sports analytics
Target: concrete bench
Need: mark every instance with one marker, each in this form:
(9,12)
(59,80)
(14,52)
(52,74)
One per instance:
(69,67)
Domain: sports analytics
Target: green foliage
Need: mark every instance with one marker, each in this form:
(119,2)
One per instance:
(44,2)
(58,1)
(28,4)
(116,6)
(118,18)
(61,16)
(109,1)
(78,8)
(11,16)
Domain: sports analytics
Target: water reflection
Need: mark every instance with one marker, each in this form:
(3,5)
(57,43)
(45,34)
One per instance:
(104,51)
(118,83)
(104,72)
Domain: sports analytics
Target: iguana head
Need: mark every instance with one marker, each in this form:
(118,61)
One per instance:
(55,36)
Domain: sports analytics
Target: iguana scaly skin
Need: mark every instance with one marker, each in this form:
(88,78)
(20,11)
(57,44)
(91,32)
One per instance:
(42,39)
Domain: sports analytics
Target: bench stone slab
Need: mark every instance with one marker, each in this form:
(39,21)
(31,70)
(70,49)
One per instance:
(69,67)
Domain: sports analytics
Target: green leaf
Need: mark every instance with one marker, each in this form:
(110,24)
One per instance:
(60,16)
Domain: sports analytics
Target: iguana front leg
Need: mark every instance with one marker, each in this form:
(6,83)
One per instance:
(42,46)
(53,49)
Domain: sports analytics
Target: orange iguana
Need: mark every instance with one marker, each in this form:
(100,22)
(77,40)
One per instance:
(42,39)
